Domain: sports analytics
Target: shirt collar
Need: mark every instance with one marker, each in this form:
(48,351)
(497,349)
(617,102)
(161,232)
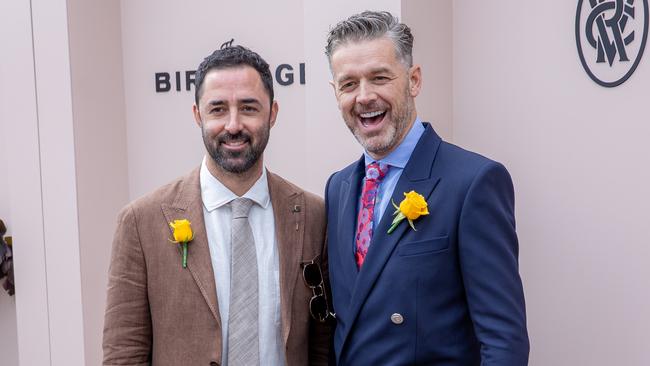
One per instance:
(214,194)
(401,155)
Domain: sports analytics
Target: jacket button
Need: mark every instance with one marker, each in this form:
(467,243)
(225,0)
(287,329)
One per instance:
(397,318)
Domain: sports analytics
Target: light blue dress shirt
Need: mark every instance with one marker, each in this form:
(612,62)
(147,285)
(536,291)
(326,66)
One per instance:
(397,160)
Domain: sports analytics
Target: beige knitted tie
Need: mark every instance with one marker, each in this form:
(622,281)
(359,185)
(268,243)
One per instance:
(243,338)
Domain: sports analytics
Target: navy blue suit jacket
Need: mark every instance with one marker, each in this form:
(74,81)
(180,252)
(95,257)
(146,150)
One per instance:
(454,281)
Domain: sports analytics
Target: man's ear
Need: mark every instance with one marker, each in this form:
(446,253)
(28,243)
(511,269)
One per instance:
(274,112)
(415,80)
(197,115)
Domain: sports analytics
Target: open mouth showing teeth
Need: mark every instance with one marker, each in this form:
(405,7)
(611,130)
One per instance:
(235,143)
(371,118)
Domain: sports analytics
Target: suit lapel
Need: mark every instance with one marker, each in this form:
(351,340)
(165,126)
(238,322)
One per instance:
(188,205)
(349,199)
(289,214)
(417,177)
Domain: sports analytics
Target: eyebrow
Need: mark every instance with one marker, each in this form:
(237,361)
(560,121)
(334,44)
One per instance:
(378,70)
(220,102)
(216,102)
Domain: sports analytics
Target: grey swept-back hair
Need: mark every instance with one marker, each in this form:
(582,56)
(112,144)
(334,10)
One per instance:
(371,25)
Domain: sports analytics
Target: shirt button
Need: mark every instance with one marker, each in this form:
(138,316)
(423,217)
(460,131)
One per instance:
(397,318)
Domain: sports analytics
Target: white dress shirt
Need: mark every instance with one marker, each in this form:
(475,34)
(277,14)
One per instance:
(217,215)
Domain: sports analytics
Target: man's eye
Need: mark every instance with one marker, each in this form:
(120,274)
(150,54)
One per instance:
(216,110)
(248,108)
(347,86)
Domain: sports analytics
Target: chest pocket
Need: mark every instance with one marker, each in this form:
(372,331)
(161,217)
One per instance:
(428,246)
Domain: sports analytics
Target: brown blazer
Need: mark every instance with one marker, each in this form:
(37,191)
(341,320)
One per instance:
(159,313)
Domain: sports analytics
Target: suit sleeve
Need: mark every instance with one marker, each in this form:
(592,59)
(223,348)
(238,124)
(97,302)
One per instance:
(488,251)
(127,323)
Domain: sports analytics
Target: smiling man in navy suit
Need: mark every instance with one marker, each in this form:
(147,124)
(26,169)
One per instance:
(448,293)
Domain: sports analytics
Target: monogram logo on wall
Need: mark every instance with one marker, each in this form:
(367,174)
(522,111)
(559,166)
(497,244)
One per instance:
(611,37)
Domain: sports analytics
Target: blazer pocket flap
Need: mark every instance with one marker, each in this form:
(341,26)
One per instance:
(424,246)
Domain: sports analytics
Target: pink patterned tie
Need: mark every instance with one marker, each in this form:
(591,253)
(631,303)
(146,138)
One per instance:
(375,172)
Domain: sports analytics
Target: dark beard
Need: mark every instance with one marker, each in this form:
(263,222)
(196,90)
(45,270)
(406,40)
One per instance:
(240,161)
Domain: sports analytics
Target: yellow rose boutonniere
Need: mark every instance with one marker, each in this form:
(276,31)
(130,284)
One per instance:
(411,208)
(182,235)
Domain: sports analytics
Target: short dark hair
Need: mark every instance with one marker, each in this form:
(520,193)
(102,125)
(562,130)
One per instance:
(230,57)
(371,25)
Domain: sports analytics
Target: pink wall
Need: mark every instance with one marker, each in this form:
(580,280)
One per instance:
(578,154)
(431,23)
(309,140)
(500,79)
(100,151)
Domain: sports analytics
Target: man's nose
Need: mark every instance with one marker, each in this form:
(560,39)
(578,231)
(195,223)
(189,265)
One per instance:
(366,93)
(233,124)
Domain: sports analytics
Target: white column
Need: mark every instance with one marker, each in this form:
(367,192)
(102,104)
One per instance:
(59,187)
(8,332)
(23,164)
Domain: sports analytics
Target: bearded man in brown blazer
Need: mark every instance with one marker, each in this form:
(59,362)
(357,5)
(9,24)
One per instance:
(249,289)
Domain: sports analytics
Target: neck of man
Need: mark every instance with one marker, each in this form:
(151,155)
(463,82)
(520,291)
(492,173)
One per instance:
(237,183)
